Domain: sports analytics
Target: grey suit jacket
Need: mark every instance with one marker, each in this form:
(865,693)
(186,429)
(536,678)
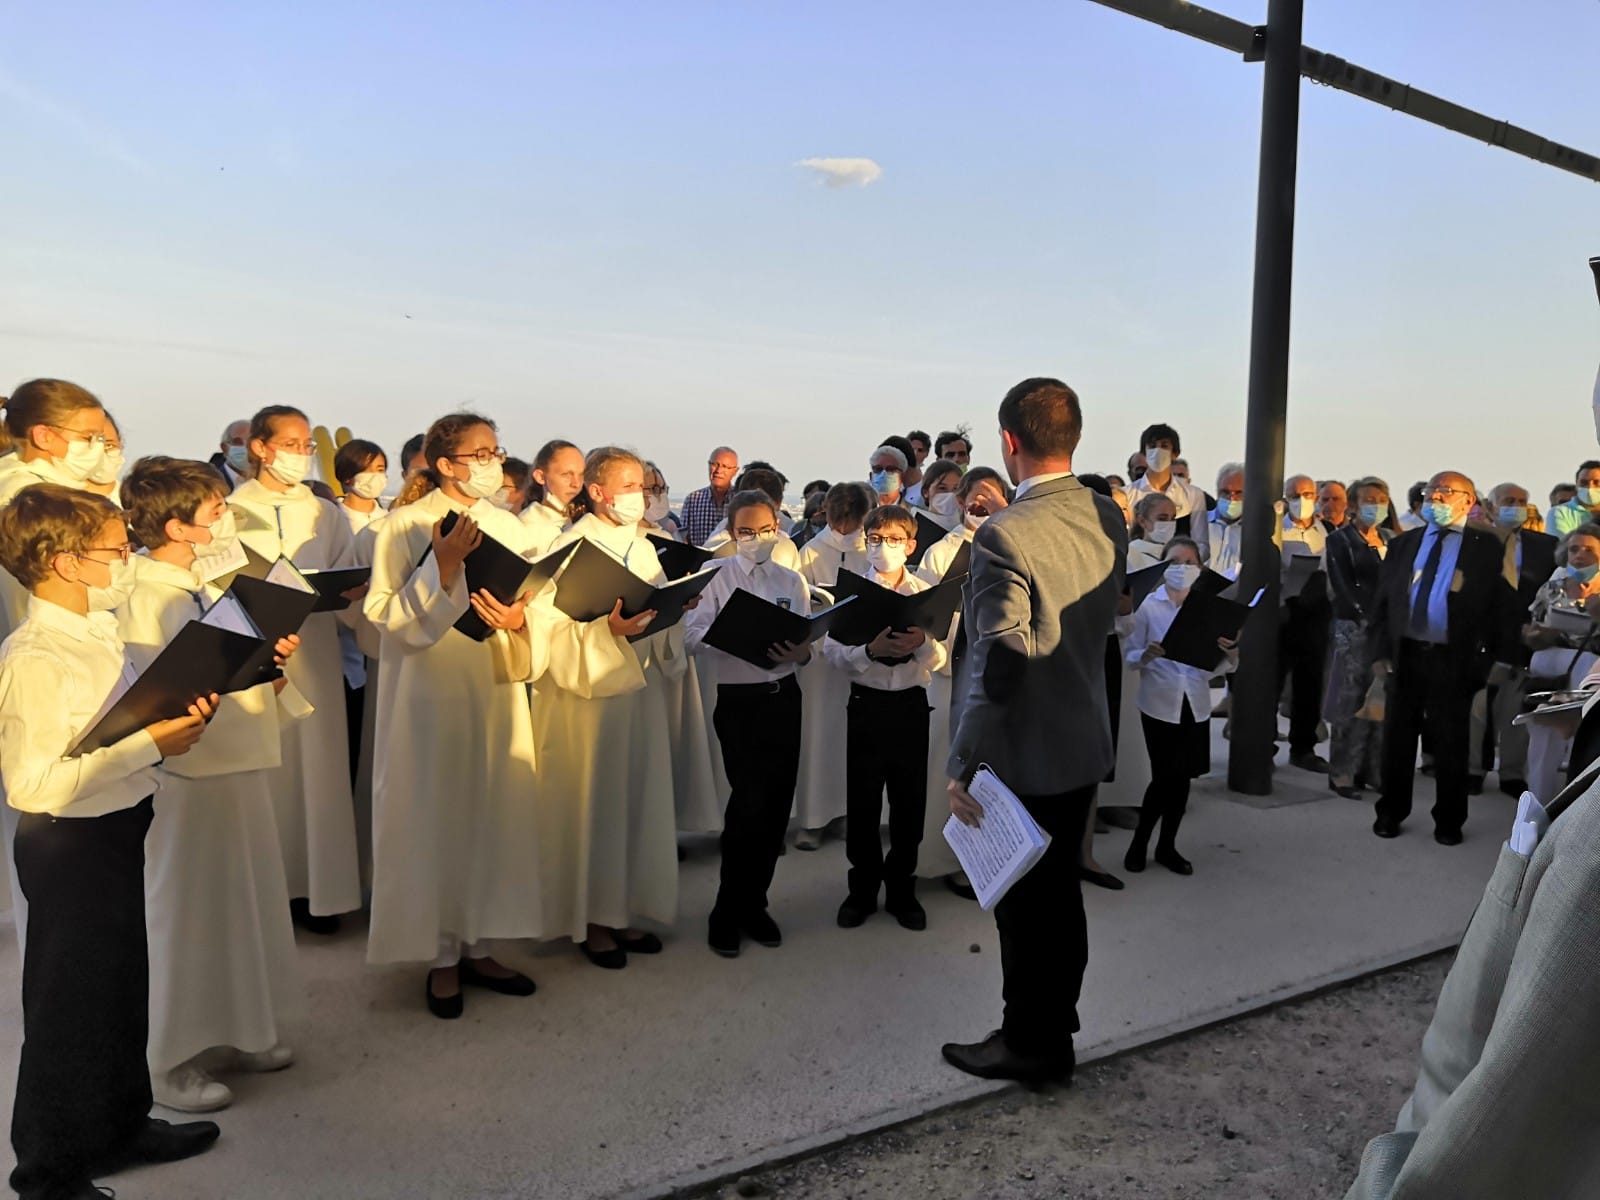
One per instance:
(1507,1101)
(1038,606)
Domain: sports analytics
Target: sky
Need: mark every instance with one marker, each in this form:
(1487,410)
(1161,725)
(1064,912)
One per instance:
(590,221)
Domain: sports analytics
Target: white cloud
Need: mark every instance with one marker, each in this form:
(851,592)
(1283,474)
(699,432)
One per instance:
(844,172)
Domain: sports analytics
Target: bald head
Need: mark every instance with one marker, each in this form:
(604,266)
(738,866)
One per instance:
(237,434)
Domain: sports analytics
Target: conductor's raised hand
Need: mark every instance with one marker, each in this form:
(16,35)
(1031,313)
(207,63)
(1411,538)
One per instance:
(789,652)
(451,549)
(627,627)
(495,615)
(962,806)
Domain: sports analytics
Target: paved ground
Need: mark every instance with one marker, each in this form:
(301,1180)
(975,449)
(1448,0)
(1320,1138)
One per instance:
(686,1066)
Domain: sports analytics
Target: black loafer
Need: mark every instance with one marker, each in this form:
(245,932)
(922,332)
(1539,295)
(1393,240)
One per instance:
(722,935)
(300,914)
(761,929)
(853,913)
(515,984)
(1447,837)
(446,1008)
(908,912)
(1101,879)
(645,943)
(613,959)
(1386,827)
(162,1142)
(992,1059)
(1173,861)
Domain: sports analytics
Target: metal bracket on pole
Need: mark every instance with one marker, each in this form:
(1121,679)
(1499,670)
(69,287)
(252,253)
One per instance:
(1256,51)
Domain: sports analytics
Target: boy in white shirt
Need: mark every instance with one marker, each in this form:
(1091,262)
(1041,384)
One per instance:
(886,744)
(757,720)
(83,1093)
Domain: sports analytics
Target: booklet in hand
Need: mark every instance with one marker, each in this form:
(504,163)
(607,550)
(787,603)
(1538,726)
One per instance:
(594,581)
(332,584)
(1302,570)
(961,564)
(748,625)
(678,559)
(201,660)
(274,611)
(878,608)
(1147,579)
(1202,619)
(501,572)
(929,533)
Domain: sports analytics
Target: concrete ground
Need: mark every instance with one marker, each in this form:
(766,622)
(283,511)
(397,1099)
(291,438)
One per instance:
(686,1066)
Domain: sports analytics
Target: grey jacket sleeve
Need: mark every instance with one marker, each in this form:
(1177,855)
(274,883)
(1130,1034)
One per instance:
(999,621)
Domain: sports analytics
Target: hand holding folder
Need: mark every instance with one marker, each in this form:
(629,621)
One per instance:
(881,608)
(493,568)
(748,627)
(594,581)
(1202,619)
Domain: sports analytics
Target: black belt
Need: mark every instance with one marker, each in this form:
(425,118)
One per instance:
(771,688)
(887,695)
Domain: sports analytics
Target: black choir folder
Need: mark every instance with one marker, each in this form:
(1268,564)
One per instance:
(272,612)
(748,625)
(929,532)
(1147,579)
(594,581)
(329,585)
(1202,619)
(878,608)
(679,558)
(325,586)
(201,660)
(501,572)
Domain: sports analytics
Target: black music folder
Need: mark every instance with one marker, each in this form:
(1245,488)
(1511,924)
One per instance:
(329,584)
(878,608)
(1147,579)
(274,610)
(201,660)
(961,564)
(929,532)
(595,580)
(748,625)
(501,572)
(1201,620)
(678,558)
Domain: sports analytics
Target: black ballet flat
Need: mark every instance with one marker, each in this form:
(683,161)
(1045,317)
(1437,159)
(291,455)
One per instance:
(1101,879)
(446,1008)
(1174,862)
(515,984)
(645,943)
(1348,791)
(613,959)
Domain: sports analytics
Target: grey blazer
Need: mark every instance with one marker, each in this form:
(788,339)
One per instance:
(1507,1101)
(1037,608)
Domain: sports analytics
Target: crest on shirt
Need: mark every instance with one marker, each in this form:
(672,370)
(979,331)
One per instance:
(784,603)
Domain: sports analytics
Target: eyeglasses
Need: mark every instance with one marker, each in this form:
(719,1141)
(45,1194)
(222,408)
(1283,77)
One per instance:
(482,457)
(877,539)
(1446,492)
(655,491)
(755,535)
(124,551)
(722,468)
(79,435)
(294,447)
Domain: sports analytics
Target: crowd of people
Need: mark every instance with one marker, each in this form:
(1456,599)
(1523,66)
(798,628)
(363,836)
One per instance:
(532,781)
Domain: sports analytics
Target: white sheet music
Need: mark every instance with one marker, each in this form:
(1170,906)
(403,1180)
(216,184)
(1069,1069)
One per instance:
(285,574)
(217,565)
(1004,847)
(227,613)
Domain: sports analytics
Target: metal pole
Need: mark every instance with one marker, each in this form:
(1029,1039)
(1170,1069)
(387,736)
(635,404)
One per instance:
(1255,686)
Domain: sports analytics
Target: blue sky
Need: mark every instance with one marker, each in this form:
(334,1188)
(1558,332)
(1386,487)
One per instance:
(587,222)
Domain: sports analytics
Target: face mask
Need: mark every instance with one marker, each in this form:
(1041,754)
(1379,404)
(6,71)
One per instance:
(886,560)
(108,598)
(238,458)
(1373,514)
(1300,508)
(974,520)
(483,480)
(945,504)
(755,550)
(1589,497)
(1230,510)
(886,483)
(290,468)
(1584,574)
(82,461)
(1180,577)
(1513,516)
(657,509)
(1157,459)
(369,485)
(1161,532)
(224,532)
(1439,513)
(501,499)
(627,509)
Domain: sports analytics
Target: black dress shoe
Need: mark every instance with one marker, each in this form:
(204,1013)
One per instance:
(958,884)
(722,935)
(83,1189)
(446,1008)
(1514,787)
(908,912)
(300,914)
(761,929)
(1173,861)
(1133,860)
(514,984)
(1386,827)
(1349,791)
(613,959)
(1447,837)
(162,1142)
(645,943)
(1101,879)
(993,1059)
(854,911)
(1309,761)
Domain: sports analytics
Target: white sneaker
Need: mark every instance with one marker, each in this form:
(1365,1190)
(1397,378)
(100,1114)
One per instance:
(187,1088)
(275,1059)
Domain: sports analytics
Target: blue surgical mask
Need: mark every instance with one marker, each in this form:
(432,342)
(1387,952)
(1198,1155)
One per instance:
(239,458)
(1439,513)
(1583,574)
(1589,497)
(1513,516)
(886,483)
(1374,514)
(1230,510)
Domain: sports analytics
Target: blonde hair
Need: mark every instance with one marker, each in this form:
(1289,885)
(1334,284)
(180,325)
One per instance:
(45,402)
(597,464)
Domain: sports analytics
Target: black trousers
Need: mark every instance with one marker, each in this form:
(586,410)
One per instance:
(759,727)
(1303,661)
(886,750)
(1178,752)
(83,1087)
(1430,697)
(1044,937)
(355,703)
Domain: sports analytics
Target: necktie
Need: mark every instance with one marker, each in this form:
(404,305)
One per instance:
(1419,602)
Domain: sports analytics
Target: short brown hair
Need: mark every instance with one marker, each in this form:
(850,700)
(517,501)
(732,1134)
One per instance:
(749,498)
(159,489)
(44,520)
(891,514)
(45,402)
(848,503)
(1044,416)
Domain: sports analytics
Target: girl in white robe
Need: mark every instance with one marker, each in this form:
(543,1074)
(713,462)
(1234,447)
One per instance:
(819,794)
(557,480)
(223,970)
(278,516)
(609,833)
(456,857)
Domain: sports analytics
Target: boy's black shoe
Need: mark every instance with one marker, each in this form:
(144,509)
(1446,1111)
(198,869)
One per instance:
(300,914)
(722,935)
(993,1059)
(162,1142)
(761,929)
(907,911)
(855,911)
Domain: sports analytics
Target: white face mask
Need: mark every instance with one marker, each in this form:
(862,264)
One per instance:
(628,508)
(886,560)
(224,532)
(756,551)
(945,504)
(1161,532)
(502,499)
(483,479)
(1180,577)
(82,461)
(109,467)
(974,520)
(1157,459)
(657,509)
(369,485)
(289,468)
(108,598)
(1301,507)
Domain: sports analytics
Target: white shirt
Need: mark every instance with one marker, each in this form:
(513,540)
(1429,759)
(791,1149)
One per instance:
(1164,684)
(1188,500)
(888,677)
(767,580)
(1033,481)
(1314,537)
(360,520)
(1227,537)
(76,662)
(822,557)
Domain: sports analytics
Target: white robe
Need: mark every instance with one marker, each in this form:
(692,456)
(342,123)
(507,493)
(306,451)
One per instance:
(819,794)
(934,857)
(542,526)
(311,790)
(609,853)
(223,969)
